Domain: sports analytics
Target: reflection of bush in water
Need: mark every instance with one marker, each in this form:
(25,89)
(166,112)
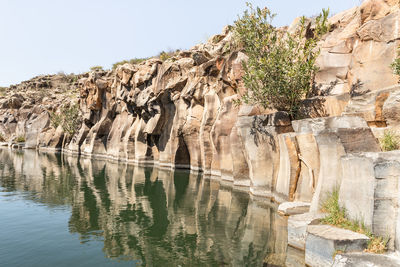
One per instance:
(181,219)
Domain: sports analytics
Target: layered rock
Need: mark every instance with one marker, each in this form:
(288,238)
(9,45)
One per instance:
(25,109)
(370,192)
(184,113)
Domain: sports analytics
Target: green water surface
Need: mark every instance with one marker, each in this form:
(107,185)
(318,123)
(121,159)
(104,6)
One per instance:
(58,210)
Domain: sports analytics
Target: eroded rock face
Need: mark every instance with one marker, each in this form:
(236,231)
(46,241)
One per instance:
(362,39)
(25,109)
(184,112)
(373,199)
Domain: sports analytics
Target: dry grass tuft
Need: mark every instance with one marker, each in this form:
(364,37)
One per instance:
(337,217)
(390,141)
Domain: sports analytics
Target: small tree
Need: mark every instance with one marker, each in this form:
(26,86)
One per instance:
(72,120)
(68,118)
(281,65)
(96,68)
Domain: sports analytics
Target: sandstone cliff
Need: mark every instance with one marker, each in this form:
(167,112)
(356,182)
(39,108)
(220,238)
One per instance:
(182,113)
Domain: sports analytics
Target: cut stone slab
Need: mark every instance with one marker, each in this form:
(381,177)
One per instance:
(297,228)
(323,241)
(366,259)
(293,208)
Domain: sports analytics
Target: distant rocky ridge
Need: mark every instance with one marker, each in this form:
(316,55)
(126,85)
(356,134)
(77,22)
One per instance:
(182,113)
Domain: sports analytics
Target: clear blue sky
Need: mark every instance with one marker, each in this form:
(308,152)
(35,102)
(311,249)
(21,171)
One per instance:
(48,36)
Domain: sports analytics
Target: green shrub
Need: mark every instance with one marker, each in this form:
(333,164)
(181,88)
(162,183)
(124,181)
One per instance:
(281,66)
(55,119)
(68,118)
(336,214)
(163,56)
(337,217)
(72,78)
(96,68)
(71,119)
(20,139)
(3,91)
(396,64)
(390,141)
(133,61)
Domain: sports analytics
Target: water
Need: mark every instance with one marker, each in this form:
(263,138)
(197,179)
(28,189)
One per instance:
(58,210)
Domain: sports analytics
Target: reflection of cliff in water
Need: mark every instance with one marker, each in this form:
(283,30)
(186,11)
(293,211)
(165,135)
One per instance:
(157,216)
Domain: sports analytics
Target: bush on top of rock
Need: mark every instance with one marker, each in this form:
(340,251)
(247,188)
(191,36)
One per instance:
(281,66)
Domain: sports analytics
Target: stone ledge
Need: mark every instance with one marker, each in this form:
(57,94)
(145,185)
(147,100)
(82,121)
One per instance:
(293,208)
(334,233)
(323,241)
(297,228)
(366,259)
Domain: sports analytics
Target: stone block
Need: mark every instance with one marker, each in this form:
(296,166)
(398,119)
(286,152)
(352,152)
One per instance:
(289,168)
(369,192)
(366,259)
(323,241)
(259,136)
(297,228)
(293,208)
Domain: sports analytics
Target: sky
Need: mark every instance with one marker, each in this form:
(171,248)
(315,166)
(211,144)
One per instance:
(50,36)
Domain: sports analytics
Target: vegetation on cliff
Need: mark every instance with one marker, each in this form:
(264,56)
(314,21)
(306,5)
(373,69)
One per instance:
(163,56)
(337,217)
(390,141)
(3,91)
(131,61)
(396,64)
(68,118)
(20,139)
(96,68)
(281,65)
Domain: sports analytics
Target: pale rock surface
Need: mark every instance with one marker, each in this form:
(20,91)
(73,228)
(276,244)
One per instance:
(297,228)
(369,191)
(293,208)
(184,113)
(323,241)
(365,259)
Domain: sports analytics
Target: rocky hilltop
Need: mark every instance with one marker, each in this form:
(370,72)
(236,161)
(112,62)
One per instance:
(182,113)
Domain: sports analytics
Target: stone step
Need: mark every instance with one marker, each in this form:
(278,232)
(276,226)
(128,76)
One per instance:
(297,228)
(293,208)
(324,241)
(366,259)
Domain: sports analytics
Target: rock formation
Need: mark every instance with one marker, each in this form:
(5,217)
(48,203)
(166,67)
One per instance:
(183,113)
(135,208)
